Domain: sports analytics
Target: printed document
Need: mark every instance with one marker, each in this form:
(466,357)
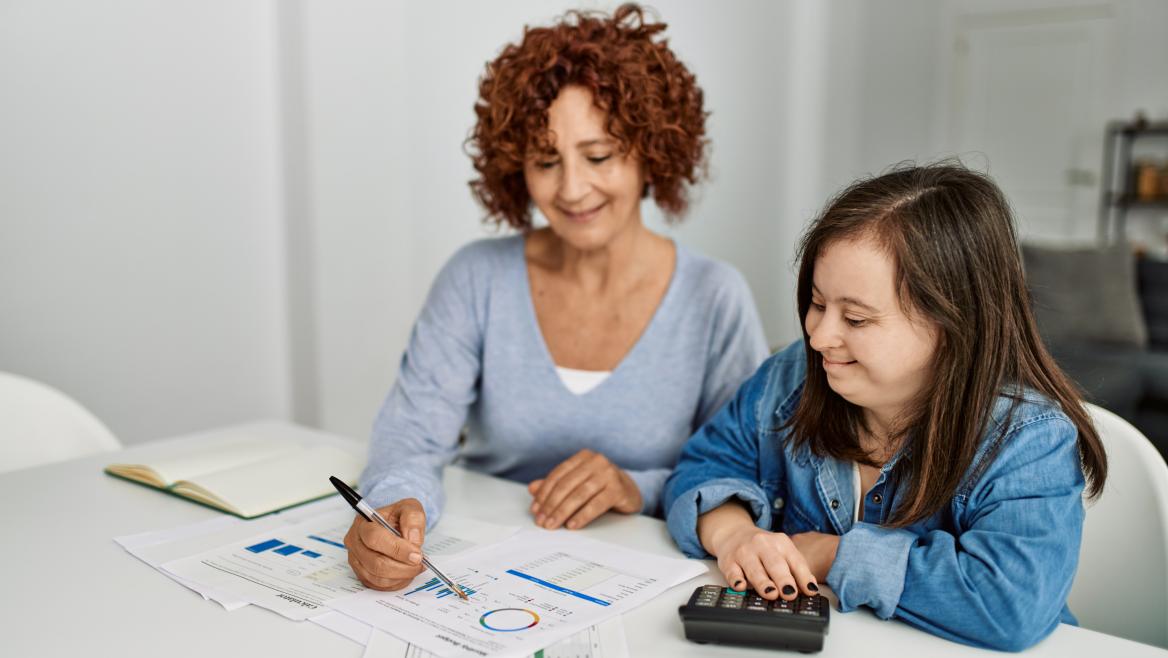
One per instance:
(526,593)
(293,569)
(605,640)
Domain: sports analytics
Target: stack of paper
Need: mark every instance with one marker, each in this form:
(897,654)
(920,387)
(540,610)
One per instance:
(533,592)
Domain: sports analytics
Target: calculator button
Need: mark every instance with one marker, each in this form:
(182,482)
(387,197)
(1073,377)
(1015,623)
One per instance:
(733,602)
(782,607)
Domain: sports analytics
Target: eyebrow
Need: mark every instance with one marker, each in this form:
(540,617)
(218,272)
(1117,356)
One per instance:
(850,300)
(594,142)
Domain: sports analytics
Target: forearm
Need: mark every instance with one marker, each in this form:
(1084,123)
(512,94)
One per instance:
(714,526)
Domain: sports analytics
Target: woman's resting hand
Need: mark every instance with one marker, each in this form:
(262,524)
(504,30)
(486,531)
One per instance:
(581,488)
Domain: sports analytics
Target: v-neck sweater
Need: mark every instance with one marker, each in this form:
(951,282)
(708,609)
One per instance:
(477,361)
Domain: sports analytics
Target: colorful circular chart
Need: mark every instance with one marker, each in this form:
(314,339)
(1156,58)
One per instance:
(508,620)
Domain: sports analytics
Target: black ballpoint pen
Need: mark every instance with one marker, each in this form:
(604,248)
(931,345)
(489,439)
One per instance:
(371,514)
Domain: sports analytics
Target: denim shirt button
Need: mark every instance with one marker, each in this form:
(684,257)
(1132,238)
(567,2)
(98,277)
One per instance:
(778,504)
(835,503)
(876,498)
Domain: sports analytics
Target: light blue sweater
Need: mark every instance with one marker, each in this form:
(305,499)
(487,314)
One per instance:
(476,359)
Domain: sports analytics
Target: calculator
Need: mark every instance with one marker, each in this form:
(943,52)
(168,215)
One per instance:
(720,615)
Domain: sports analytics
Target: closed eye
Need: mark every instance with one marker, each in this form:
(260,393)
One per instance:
(547,164)
(599,159)
(854,322)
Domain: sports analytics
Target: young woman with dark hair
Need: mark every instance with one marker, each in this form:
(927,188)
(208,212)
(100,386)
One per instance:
(919,450)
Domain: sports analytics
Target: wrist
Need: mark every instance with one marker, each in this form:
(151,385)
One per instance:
(634,501)
(719,526)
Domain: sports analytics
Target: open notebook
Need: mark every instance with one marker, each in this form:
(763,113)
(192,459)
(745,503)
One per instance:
(246,475)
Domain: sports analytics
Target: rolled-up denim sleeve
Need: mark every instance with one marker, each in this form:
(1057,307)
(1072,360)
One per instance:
(869,568)
(683,516)
(719,462)
(1000,582)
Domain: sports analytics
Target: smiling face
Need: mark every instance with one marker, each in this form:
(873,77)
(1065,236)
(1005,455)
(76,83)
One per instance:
(586,188)
(874,354)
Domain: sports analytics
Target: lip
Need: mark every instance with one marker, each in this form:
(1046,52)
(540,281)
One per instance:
(828,364)
(583,217)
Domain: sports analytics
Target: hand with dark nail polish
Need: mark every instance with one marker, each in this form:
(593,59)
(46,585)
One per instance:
(769,589)
(813,587)
(787,590)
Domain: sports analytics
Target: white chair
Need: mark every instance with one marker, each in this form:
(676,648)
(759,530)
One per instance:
(39,424)
(1122,584)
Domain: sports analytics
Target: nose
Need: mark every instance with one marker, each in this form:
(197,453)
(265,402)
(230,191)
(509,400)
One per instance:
(574,186)
(823,331)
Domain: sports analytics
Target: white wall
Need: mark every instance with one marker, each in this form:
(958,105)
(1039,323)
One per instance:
(212,211)
(389,94)
(141,234)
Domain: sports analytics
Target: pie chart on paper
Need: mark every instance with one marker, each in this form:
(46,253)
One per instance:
(508,620)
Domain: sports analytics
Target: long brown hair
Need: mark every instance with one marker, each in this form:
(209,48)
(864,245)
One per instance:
(952,239)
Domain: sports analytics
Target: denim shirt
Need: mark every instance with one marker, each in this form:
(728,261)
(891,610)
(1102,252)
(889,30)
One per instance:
(991,569)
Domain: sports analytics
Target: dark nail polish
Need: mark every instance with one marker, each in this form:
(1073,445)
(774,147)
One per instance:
(769,589)
(788,590)
(737,584)
(813,587)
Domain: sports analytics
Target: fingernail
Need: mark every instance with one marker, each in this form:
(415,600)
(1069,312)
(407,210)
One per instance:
(769,589)
(813,587)
(415,557)
(574,524)
(414,535)
(535,508)
(540,519)
(738,584)
(788,590)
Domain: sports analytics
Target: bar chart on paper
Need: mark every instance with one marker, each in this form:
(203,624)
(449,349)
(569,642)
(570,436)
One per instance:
(293,569)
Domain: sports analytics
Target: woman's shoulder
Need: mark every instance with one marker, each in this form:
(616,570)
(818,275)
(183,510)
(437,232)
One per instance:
(1018,408)
(470,274)
(709,275)
(712,286)
(1026,429)
(499,252)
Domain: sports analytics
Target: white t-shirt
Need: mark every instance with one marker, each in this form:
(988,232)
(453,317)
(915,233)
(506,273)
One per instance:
(580,382)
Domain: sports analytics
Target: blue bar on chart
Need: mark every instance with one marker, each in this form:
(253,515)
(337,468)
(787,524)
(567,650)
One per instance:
(439,588)
(287,550)
(263,546)
(557,588)
(313,554)
(327,541)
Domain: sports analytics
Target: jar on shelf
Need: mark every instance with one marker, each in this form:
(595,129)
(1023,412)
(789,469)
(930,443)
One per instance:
(1148,176)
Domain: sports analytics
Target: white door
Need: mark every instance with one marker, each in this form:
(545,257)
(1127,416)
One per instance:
(1027,97)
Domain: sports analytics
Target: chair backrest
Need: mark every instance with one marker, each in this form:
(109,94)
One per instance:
(1121,587)
(39,424)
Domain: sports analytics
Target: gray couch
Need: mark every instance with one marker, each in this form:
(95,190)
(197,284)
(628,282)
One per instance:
(1104,316)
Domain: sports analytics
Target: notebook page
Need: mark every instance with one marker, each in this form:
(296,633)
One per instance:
(262,487)
(223,454)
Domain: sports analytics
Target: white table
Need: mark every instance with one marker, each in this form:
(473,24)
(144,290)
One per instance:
(70,590)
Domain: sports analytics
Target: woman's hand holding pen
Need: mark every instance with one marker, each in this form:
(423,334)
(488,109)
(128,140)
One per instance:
(380,560)
(581,488)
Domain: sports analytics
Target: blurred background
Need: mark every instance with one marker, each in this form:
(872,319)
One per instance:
(217,211)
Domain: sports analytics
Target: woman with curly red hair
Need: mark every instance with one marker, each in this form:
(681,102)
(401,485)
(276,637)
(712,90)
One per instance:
(579,356)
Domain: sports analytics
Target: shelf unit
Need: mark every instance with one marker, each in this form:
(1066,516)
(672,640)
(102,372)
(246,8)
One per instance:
(1118,185)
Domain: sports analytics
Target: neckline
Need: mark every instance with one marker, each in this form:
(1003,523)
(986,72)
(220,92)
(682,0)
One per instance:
(549,364)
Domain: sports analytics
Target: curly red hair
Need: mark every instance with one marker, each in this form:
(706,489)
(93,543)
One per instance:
(653,103)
